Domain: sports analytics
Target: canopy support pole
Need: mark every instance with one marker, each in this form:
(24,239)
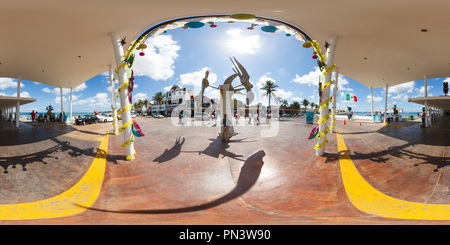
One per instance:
(371,102)
(385,105)
(426,101)
(62,110)
(18,103)
(113,100)
(69,119)
(333,115)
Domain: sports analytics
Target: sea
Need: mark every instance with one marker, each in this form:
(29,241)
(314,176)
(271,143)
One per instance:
(403,114)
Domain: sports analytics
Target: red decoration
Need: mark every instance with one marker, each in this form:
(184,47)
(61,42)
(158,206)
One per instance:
(315,56)
(141,53)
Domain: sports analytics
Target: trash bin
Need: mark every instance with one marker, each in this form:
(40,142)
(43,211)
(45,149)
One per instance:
(377,118)
(309,116)
(411,117)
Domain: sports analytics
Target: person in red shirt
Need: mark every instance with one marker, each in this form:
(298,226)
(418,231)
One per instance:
(33,116)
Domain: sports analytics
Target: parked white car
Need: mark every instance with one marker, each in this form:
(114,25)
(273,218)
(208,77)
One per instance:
(105,118)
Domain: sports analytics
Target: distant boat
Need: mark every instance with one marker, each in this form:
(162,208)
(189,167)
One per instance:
(389,110)
(341,112)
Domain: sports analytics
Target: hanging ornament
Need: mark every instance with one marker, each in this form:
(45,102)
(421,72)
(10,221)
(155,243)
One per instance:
(141,53)
(270,29)
(142,46)
(314,132)
(251,27)
(136,129)
(242,16)
(195,24)
(185,27)
(306,45)
(212,24)
(314,56)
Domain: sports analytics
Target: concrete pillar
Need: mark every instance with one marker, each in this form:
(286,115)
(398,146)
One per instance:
(18,103)
(385,104)
(62,110)
(113,100)
(333,118)
(426,102)
(69,119)
(371,102)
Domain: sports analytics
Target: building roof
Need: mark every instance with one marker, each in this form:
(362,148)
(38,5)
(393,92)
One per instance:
(10,102)
(64,43)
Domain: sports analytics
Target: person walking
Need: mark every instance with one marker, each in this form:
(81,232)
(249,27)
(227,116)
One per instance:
(423,118)
(226,123)
(250,116)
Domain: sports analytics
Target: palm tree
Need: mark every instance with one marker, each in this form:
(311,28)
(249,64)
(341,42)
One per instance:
(138,105)
(269,89)
(158,98)
(305,103)
(312,105)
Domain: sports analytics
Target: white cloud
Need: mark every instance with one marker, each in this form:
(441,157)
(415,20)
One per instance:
(139,96)
(195,78)
(402,88)
(375,98)
(99,101)
(420,92)
(22,94)
(57,91)
(241,43)
(298,99)
(8,83)
(312,78)
(159,58)
(80,88)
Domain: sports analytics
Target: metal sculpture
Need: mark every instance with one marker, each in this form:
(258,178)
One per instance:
(227,90)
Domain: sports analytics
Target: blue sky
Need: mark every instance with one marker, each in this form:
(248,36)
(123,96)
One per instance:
(181,56)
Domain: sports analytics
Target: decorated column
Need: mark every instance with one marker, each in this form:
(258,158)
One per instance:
(385,104)
(113,100)
(325,96)
(127,121)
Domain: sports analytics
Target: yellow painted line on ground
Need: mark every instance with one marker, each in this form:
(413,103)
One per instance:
(54,125)
(398,126)
(73,201)
(369,200)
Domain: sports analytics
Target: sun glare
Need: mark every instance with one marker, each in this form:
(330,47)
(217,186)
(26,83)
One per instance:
(240,42)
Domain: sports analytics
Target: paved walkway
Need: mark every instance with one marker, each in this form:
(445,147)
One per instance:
(265,175)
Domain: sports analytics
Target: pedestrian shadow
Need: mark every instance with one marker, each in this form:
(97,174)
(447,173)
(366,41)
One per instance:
(250,171)
(402,152)
(215,149)
(44,156)
(171,153)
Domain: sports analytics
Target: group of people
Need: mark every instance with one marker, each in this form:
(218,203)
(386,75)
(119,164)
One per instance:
(46,117)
